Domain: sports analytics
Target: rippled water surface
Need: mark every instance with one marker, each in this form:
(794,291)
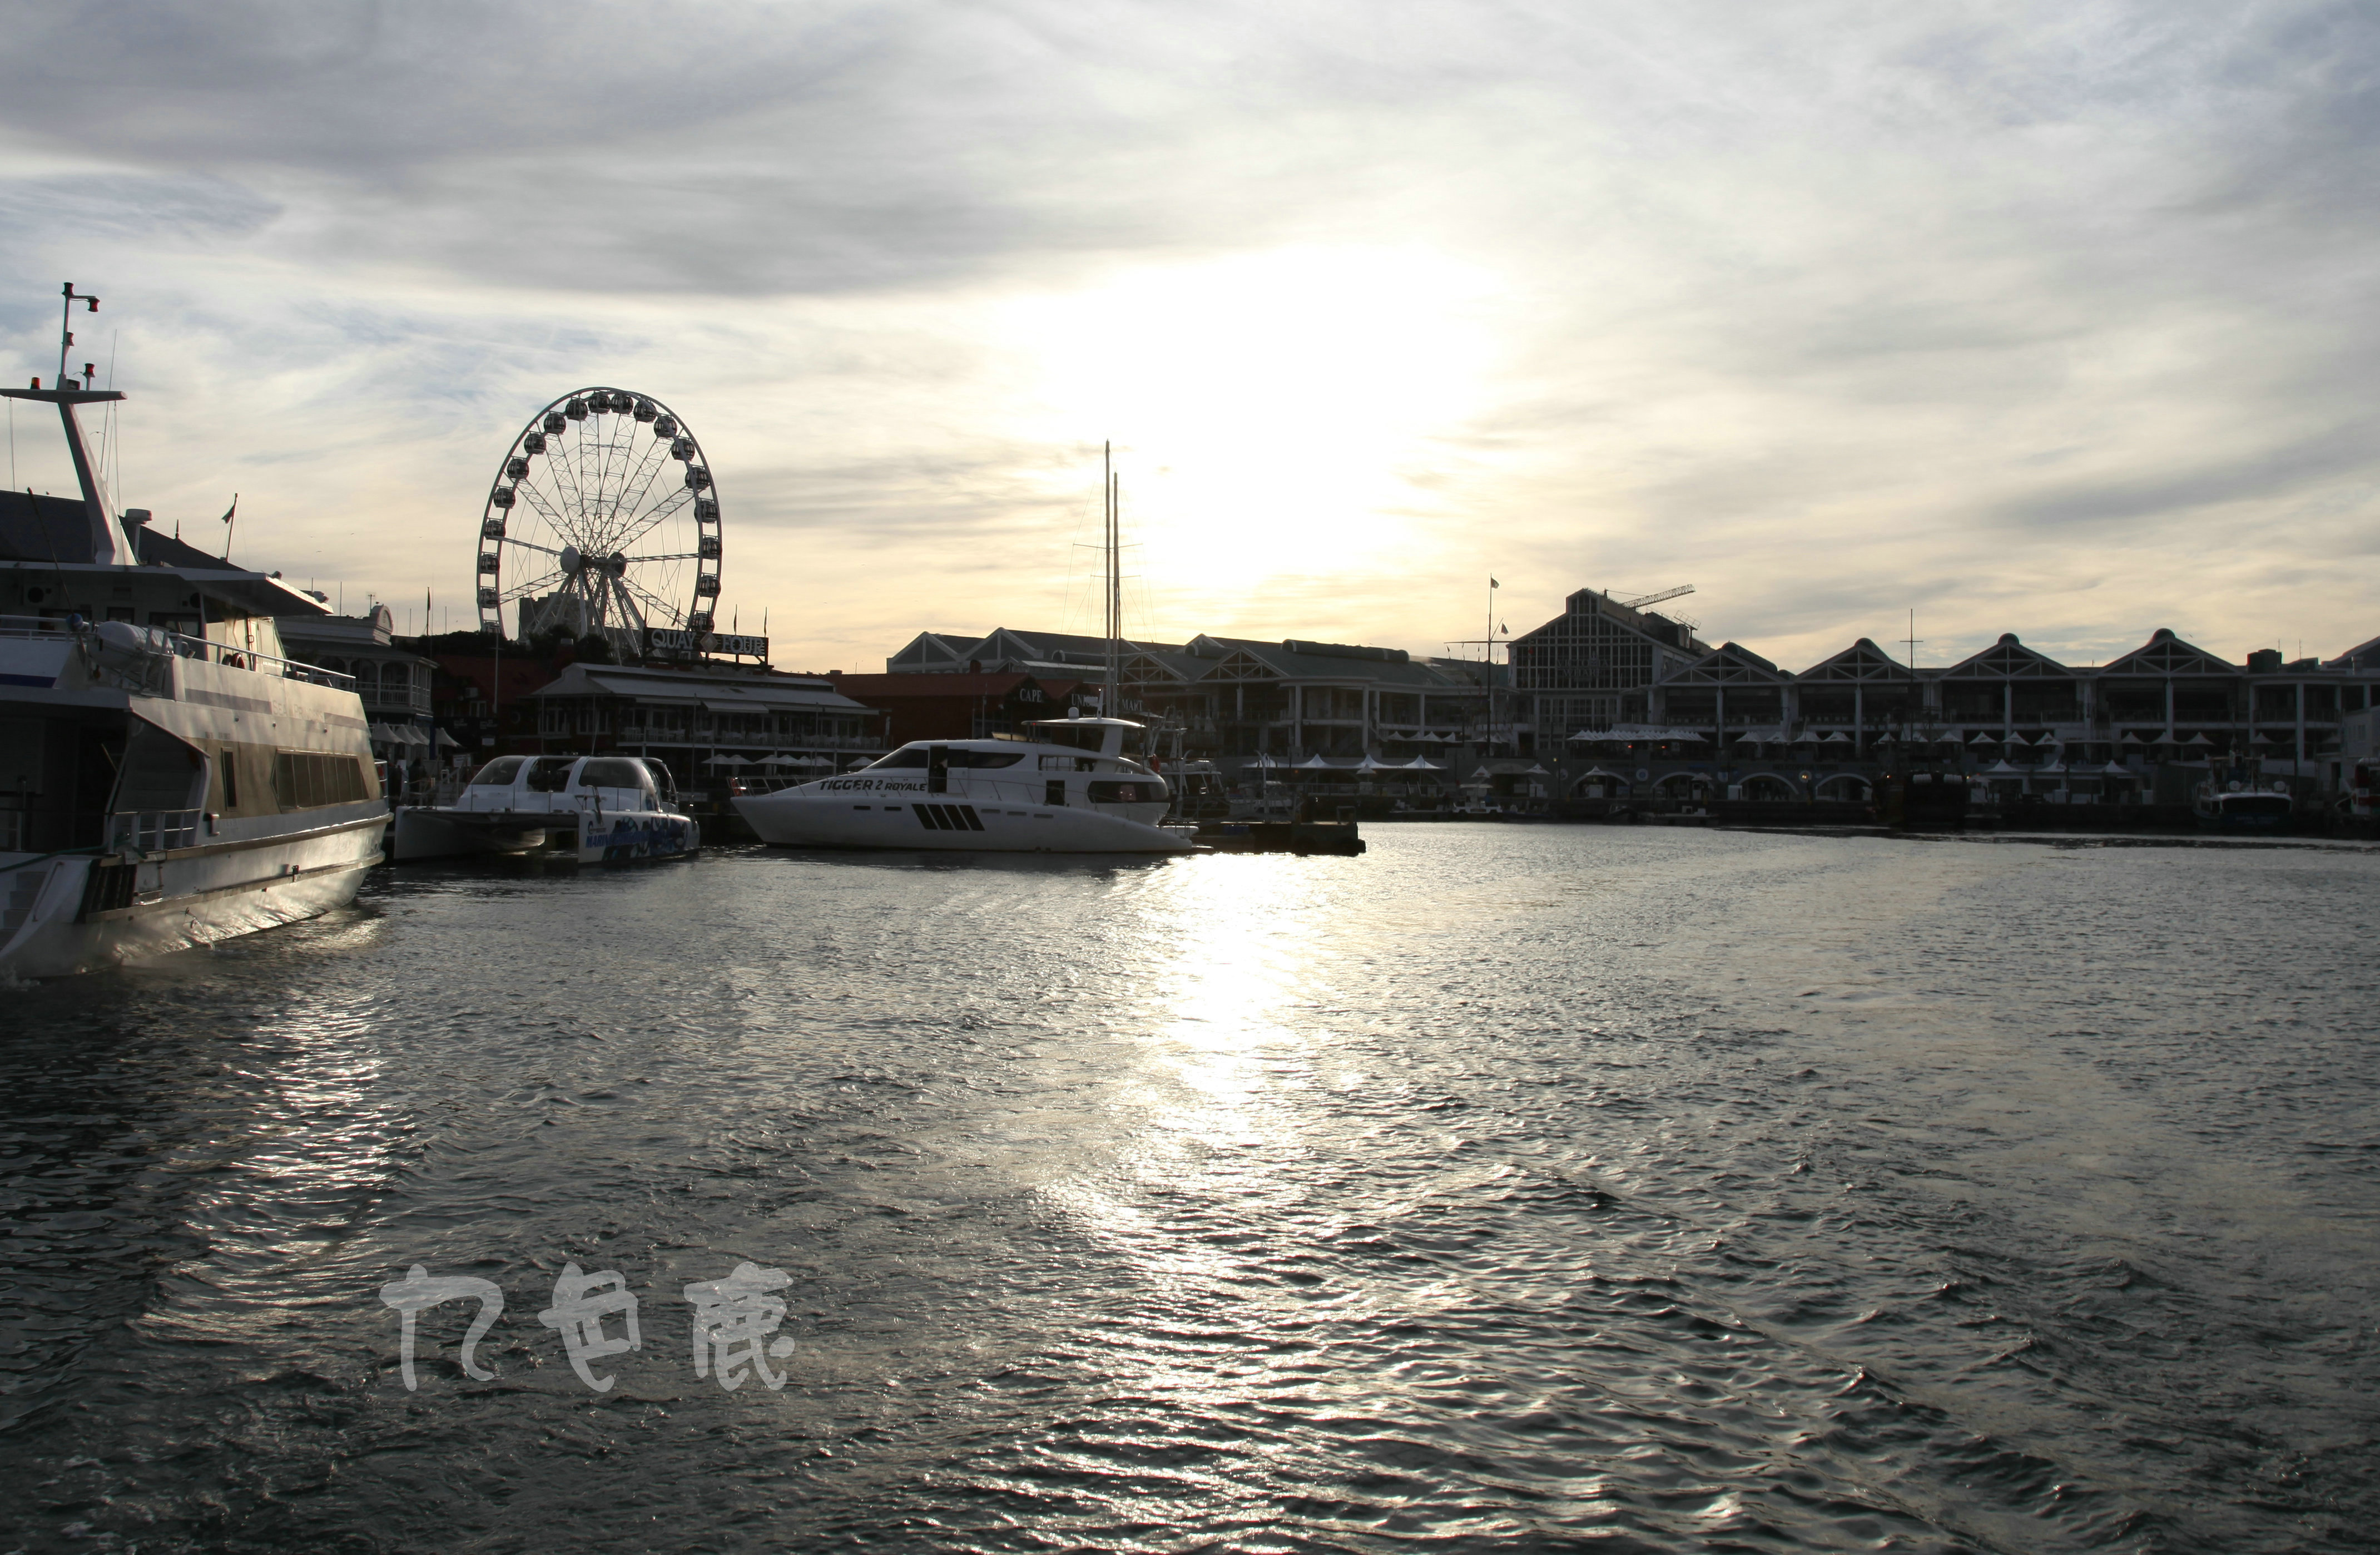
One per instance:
(1509,1188)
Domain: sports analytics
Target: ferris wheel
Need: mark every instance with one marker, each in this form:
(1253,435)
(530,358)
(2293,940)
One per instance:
(602,518)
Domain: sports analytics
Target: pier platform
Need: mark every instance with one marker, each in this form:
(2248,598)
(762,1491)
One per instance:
(1281,836)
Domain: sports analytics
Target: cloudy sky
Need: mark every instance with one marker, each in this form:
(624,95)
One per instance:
(2057,319)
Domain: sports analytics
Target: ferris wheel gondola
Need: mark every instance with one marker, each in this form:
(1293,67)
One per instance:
(602,518)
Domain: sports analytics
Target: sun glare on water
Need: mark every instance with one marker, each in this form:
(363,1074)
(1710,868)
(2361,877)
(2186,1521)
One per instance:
(1274,414)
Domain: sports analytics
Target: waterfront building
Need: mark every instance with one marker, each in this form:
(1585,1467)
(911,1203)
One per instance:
(692,718)
(2146,725)
(1236,700)
(963,705)
(1595,664)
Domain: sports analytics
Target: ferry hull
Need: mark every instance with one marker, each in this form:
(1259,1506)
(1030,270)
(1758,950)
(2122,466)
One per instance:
(790,819)
(60,922)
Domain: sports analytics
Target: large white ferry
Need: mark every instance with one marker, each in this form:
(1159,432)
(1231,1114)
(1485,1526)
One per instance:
(1066,786)
(167,778)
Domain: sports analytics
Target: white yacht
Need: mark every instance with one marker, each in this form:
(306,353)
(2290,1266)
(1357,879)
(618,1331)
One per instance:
(1064,786)
(596,810)
(167,778)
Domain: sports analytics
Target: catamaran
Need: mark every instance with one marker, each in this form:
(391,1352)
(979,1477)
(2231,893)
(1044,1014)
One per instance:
(594,810)
(167,777)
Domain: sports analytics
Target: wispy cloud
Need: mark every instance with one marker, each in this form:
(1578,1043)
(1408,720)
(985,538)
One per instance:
(2020,316)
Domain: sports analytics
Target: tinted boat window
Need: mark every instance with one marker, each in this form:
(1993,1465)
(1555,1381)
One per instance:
(986,758)
(498,773)
(550,773)
(611,771)
(1124,793)
(907,756)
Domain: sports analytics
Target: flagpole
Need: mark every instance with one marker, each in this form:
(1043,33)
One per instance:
(1488,661)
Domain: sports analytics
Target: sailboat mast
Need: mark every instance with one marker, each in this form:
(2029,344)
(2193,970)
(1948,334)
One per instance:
(1111,702)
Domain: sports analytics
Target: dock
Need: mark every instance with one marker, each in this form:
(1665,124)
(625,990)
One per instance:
(1300,837)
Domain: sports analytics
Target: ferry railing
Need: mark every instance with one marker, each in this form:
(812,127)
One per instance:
(232,657)
(34,626)
(152,831)
(228,655)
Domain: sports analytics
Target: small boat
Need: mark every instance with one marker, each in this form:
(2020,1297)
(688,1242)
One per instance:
(593,809)
(2241,807)
(1066,786)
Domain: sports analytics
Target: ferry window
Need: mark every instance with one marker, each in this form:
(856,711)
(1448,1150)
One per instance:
(611,771)
(907,756)
(305,779)
(1054,792)
(662,782)
(498,773)
(227,777)
(1122,793)
(986,758)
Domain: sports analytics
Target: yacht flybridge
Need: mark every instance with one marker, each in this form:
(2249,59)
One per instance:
(167,778)
(1068,785)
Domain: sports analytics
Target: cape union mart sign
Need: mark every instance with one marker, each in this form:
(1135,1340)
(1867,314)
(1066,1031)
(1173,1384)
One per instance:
(664,639)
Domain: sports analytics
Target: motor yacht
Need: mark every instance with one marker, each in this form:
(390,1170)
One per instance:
(1064,785)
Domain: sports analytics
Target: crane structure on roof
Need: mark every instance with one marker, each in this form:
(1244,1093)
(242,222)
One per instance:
(1643,600)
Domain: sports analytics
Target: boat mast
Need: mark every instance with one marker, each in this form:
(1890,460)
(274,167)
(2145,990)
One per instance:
(1110,703)
(109,546)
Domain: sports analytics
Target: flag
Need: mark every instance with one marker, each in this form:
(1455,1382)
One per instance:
(1493,584)
(233,508)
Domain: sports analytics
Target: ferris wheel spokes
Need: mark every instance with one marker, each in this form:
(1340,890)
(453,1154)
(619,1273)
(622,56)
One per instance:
(580,498)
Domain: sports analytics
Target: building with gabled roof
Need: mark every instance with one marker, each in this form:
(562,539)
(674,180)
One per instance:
(1595,663)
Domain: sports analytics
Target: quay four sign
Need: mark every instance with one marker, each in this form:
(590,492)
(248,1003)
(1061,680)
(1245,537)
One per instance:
(666,639)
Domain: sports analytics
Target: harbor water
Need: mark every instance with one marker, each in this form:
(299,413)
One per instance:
(1509,1188)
